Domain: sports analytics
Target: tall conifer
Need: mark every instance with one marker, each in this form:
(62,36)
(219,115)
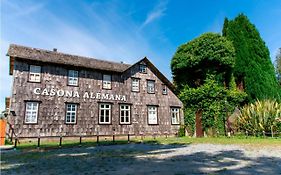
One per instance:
(253,70)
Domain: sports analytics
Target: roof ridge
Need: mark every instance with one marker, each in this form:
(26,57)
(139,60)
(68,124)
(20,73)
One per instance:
(67,54)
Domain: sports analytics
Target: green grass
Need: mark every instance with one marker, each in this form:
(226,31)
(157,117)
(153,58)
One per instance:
(255,141)
(251,141)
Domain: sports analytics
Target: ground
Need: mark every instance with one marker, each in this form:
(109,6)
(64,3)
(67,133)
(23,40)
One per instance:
(140,158)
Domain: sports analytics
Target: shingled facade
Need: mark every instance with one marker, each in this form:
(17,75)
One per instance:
(57,94)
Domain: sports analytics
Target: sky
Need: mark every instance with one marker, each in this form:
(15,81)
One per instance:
(124,30)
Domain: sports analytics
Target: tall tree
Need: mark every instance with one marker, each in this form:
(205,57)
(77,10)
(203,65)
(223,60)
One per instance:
(253,70)
(201,71)
(278,65)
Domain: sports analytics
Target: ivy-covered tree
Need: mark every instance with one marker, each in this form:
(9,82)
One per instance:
(202,72)
(253,69)
(278,65)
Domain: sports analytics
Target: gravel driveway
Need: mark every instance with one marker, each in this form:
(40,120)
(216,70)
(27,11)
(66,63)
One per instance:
(145,159)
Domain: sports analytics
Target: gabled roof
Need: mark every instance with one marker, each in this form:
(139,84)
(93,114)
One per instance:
(47,56)
(34,54)
(156,72)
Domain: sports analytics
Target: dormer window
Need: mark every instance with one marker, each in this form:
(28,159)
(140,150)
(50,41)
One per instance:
(106,81)
(34,73)
(72,77)
(142,68)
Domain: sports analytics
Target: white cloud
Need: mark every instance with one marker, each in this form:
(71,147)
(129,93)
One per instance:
(157,12)
(106,33)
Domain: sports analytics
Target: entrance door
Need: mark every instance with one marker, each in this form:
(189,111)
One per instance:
(198,124)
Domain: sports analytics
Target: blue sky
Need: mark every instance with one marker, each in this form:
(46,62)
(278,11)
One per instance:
(125,30)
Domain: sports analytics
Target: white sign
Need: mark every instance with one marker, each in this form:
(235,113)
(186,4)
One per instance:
(75,94)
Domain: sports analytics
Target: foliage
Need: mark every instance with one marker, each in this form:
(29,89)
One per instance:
(209,53)
(202,72)
(181,131)
(278,65)
(260,116)
(253,69)
(214,100)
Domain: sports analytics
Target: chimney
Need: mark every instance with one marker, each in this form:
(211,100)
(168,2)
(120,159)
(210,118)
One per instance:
(55,49)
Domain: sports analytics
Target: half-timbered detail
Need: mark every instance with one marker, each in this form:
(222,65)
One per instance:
(57,94)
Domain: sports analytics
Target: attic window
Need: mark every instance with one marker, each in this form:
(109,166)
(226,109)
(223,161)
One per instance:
(142,68)
(164,89)
(106,81)
(34,73)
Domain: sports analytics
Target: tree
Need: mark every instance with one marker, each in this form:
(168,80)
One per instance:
(253,69)
(208,54)
(202,73)
(278,65)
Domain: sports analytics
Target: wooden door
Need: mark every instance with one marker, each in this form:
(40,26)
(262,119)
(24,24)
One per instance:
(198,124)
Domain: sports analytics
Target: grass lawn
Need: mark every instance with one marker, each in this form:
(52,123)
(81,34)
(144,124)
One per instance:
(255,141)
(249,141)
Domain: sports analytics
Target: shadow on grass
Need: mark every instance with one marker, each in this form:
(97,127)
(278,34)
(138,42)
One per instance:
(135,158)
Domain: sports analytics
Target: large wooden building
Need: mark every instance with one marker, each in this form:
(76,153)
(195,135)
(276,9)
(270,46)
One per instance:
(57,94)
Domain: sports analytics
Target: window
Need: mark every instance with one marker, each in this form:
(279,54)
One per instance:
(34,73)
(175,114)
(152,115)
(142,68)
(164,89)
(150,86)
(72,77)
(135,84)
(106,82)
(71,113)
(104,113)
(31,112)
(125,114)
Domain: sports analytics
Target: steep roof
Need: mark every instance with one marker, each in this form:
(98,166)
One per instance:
(47,56)
(156,71)
(34,54)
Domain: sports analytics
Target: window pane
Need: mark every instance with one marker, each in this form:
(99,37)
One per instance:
(73,77)
(150,86)
(34,73)
(31,112)
(105,112)
(135,85)
(175,115)
(71,110)
(142,68)
(152,115)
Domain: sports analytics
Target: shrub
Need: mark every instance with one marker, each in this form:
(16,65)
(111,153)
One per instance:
(181,131)
(259,117)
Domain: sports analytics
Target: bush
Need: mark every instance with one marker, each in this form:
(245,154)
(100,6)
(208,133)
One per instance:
(259,117)
(181,131)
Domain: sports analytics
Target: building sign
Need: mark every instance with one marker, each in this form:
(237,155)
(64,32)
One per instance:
(76,94)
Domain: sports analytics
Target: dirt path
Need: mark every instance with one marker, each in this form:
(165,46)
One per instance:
(145,159)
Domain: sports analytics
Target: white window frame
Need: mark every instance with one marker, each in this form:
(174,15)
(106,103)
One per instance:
(72,79)
(34,73)
(71,113)
(125,113)
(164,89)
(152,115)
(150,89)
(103,109)
(31,112)
(143,68)
(135,84)
(175,116)
(106,81)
